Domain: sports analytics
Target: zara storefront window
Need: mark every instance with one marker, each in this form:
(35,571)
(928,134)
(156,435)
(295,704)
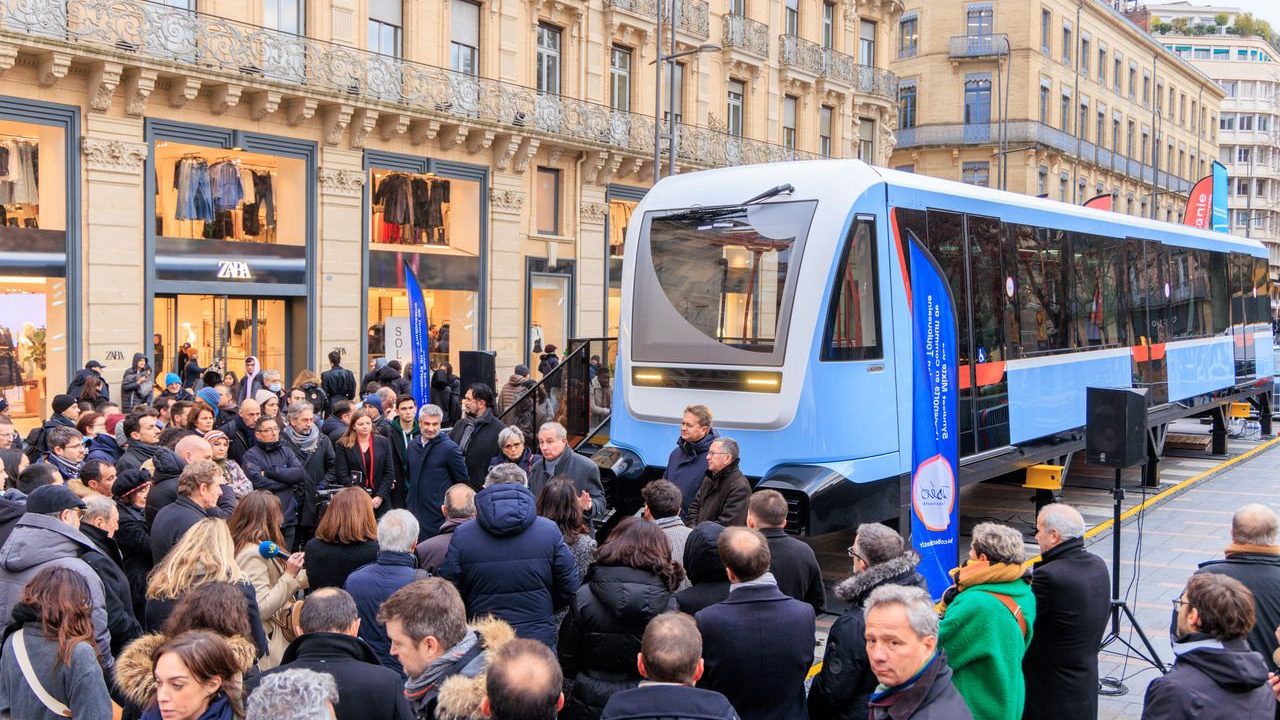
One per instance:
(33,289)
(431,222)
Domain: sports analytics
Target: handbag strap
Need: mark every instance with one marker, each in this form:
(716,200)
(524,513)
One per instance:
(1012,606)
(33,680)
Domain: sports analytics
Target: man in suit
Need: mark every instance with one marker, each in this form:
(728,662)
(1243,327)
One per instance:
(477,434)
(670,661)
(558,460)
(1073,591)
(434,464)
(758,644)
(793,563)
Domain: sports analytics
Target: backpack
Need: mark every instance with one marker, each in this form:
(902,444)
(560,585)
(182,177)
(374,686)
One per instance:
(318,399)
(34,446)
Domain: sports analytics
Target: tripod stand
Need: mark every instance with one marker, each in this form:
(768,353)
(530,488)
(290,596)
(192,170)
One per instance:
(1115,686)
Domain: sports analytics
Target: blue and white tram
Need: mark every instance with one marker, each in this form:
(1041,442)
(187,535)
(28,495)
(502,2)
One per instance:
(784,310)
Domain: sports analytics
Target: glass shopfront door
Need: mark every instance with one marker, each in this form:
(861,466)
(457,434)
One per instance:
(225,328)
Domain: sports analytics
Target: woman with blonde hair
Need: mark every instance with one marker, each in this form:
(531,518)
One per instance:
(346,539)
(276,583)
(205,554)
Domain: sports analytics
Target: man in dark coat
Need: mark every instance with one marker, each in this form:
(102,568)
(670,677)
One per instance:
(401,430)
(241,430)
(687,464)
(1073,600)
(372,584)
(724,492)
(99,524)
(65,414)
(329,644)
(704,568)
(301,435)
(133,534)
(335,426)
(435,463)
(759,642)
(910,665)
(793,564)
(271,465)
(477,434)
(91,368)
(1253,558)
(841,689)
(511,563)
(557,459)
(459,507)
(670,662)
(191,448)
(11,512)
(337,381)
(199,489)
(1215,675)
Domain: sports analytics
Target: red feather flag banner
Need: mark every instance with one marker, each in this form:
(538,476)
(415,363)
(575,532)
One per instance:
(1099,202)
(1199,212)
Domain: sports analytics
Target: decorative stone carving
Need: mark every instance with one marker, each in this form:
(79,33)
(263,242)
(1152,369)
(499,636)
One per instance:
(183,90)
(509,200)
(336,120)
(138,84)
(225,97)
(421,131)
(528,149)
(362,124)
(594,164)
(264,103)
(299,110)
(391,125)
(8,56)
(53,67)
(594,212)
(504,149)
(337,181)
(104,77)
(451,135)
(113,155)
(480,140)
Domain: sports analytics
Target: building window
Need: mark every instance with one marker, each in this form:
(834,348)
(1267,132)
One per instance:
(1116,75)
(908,36)
(1046,30)
(792,19)
(828,25)
(1146,140)
(1100,127)
(1063,181)
(866,140)
(620,78)
(867,43)
(1067,50)
(1102,64)
(824,131)
(979,21)
(906,105)
(1042,181)
(1082,122)
(464,45)
(1243,154)
(1146,89)
(735,102)
(976,173)
(1064,112)
(1129,140)
(1133,81)
(1044,101)
(977,99)
(548,196)
(548,60)
(285,15)
(1160,98)
(1115,133)
(385,23)
(1084,54)
(789,122)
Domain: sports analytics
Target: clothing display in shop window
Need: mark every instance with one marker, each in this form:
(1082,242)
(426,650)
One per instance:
(10,371)
(619,217)
(20,176)
(395,195)
(414,209)
(224,178)
(195,196)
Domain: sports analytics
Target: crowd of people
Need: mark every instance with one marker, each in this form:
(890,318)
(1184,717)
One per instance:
(213,550)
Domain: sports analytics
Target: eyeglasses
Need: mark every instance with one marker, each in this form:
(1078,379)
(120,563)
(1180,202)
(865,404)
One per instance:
(1178,602)
(715,452)
(855,555)
(512,446)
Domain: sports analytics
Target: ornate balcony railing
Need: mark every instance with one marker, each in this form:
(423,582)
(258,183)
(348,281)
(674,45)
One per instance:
(837,66)
(1030,132)
(233,51)
(746,34)
(979,46)
(877,81)
(796,52)
(692,16)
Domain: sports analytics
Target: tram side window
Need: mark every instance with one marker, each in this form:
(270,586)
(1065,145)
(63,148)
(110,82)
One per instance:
(1159,292)
(1133,291)
(1220,293)
(1261,293)
(1189,302)
(853,321)
(1041,289)
(992,306)
(1094,298)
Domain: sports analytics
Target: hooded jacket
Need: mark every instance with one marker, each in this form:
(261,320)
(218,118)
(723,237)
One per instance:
(104,448)
(687,466)
(241,437)
(841,689)
(1211,680)
(512,564)
(133,537)
(704,568)
(370,586)
(137,387)
(1261,574)
(41,541)
(601,635)
(135,672)
(460,694)
(166,464)
(366,690)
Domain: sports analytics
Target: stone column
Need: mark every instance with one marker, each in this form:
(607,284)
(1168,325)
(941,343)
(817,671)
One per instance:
(508,228)
(113,245)
(341,325)
(591,268)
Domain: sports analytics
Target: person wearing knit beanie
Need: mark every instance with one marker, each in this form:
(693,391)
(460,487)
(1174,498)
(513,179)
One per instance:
(61,403)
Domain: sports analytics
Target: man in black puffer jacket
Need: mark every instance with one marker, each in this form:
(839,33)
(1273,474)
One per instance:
(272,465)
(845,683)
(511,563)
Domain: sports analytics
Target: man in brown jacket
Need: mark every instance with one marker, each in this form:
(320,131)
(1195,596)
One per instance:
(725,492)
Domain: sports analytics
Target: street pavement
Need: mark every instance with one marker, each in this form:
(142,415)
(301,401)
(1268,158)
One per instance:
(1168,539)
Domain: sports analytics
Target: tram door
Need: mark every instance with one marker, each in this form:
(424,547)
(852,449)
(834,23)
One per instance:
(973,252)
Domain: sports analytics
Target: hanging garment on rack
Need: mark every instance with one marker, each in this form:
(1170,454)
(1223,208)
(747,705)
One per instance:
(224,178)
(4,161)
(195,198)
(395,195)
(252,223)
(435,203)
(264,194)
(23,180)
(10,371)
(223,226)
(421,200)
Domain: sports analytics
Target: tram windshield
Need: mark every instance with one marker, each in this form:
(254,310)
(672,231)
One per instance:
(715,285)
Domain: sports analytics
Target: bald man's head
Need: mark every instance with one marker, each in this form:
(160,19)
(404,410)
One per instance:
(523,683)
(192,448)
(1254,524)
(745,553)
(460,502)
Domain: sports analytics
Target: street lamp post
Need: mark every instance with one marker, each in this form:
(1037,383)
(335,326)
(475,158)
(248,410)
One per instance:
(670,59)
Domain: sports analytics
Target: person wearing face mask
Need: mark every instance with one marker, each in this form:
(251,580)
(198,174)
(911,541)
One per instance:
(841,689)
(272,382)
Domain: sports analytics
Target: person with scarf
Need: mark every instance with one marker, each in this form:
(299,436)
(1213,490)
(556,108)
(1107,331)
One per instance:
(66,452)
(301,435)
(251,383)
(144,449)
(446,674)
(987,616)
(232,474)
(687,464)
(914,679)
(272,466)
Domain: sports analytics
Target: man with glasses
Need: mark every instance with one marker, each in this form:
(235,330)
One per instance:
(48,535)
(477,434)
(66,451)
(723,495)
(273,465)
(845,683)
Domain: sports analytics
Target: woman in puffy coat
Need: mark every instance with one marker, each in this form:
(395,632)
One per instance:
(633,581)
(276,582)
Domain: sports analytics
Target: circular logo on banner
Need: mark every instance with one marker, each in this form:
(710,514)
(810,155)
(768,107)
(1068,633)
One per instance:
(1008,286)
(933,493)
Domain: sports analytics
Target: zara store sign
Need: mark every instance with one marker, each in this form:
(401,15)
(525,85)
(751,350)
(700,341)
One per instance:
(234,270)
